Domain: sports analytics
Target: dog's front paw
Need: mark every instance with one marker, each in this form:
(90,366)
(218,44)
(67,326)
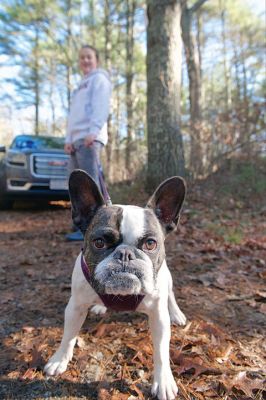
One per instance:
(178,317)
(164,386)
(56,365)
(98,309)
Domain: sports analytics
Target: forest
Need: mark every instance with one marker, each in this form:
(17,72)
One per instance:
(210,64)
(188,99)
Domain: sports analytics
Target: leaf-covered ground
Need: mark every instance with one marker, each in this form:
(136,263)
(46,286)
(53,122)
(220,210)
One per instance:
(217,258)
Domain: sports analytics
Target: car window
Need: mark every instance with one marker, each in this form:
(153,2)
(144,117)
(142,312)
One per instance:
(38,142)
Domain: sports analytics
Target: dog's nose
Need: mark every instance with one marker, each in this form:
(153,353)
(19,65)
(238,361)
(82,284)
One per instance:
(124,255)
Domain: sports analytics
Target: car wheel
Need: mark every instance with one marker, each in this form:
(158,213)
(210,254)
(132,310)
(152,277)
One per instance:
(6,202)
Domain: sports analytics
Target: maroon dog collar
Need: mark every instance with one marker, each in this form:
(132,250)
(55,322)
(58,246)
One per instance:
(111,301)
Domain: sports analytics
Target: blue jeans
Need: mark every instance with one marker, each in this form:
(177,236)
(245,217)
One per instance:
(86,158)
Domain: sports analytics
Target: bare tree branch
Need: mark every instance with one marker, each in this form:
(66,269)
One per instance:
(238,146)
(197,5)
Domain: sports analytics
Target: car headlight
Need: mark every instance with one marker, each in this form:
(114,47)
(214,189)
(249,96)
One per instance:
(16,159)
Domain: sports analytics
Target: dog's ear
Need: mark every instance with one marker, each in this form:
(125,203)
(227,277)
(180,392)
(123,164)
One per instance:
(85,198)
(167,201)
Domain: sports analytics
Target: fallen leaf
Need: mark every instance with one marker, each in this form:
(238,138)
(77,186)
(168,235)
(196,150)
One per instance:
(29,374)
(193,365)
(138,391)
(225,355)
(243,383)
(104,329)
(28,329)
(103,394)
(262,308)
(37,360)
(80,342)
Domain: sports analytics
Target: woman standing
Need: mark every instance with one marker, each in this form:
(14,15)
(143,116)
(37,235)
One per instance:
(87,121)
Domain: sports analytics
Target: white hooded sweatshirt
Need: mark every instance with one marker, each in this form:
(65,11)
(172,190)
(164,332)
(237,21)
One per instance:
(89,108)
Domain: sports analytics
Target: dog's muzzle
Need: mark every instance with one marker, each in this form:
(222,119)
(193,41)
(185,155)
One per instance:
(127,271)
(121,302)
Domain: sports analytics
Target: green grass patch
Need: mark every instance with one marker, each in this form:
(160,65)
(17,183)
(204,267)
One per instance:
(230,234)
(239,183)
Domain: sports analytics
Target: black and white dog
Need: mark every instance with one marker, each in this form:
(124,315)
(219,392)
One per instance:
(123,267)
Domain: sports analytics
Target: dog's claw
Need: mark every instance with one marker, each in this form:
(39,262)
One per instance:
(164,387)
(56,366)
(178,318)
(98,309)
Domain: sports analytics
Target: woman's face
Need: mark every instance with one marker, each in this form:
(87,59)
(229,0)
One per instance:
(87,60)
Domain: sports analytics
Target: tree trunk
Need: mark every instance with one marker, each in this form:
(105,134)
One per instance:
(117,131)
(237,74)
(245,107)
(130,14)
(226,71)
(164,59)
(52,70)
(36,80)
(194,75)
(68,67)
(200,44)
(107,56)
(92,23)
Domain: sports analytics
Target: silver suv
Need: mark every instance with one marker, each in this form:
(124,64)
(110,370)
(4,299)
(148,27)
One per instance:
(33,166)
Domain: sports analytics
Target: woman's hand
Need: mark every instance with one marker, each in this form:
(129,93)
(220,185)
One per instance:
(88,140)
(69,148)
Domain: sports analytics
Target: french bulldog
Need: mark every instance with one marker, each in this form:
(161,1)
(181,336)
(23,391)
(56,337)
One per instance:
(122,267)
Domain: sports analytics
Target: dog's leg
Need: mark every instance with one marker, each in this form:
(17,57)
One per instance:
(75,315)
(176,315)
(164,386)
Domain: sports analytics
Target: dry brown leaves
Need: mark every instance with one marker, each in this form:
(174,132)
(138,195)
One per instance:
(207,362)
(219,284)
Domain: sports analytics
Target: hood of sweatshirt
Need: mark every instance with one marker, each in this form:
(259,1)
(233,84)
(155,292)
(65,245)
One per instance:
(95,72)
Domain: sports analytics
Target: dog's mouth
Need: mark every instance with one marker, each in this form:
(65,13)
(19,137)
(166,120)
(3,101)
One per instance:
(124,279)
(123,283)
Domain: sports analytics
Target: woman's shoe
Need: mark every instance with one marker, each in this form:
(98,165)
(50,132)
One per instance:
(76,236)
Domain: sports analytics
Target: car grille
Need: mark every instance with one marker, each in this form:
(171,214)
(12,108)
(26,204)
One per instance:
(49,165)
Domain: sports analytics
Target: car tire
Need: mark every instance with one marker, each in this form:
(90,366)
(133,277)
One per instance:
(6,203)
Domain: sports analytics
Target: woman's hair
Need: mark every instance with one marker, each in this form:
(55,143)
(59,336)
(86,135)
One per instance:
(87,46)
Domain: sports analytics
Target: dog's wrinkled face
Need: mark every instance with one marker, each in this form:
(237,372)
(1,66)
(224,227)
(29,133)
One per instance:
(124,246)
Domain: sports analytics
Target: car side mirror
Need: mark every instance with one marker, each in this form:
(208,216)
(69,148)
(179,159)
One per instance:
(2,149)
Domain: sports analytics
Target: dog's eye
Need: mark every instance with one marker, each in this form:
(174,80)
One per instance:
(99,243)
(150,244)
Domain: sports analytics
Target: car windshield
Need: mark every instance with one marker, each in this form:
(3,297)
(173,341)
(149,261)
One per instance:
(37,142)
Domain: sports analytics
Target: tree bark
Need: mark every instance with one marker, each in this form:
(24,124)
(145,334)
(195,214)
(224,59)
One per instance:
(194,75)
(36,79)
(69,35)
(237,74)
(226,71)
(164,59)
(130,19)
(107,56)
(52,82)
(92,22)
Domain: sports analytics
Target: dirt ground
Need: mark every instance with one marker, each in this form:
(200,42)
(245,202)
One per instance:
(217,259)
